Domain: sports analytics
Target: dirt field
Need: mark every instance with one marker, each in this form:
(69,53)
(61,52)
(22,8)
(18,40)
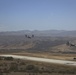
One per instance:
(46,47)
(24,67)
(50,55)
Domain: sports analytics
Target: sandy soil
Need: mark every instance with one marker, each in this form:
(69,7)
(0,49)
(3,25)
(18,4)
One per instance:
(64,62)
(50,55)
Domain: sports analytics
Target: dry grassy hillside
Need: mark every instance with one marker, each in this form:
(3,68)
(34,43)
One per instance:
(64,48)
(13,43)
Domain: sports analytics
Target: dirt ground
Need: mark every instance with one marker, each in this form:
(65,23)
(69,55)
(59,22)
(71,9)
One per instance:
(50,55)
(24,67)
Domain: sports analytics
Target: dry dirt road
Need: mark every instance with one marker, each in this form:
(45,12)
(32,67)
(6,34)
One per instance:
(64,62)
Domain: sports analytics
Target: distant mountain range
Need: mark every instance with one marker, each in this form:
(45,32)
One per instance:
(61,33)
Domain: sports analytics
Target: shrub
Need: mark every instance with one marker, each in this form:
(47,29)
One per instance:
(8,58)
(13,67)
(32,68)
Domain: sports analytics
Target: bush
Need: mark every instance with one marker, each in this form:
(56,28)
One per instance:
(32,68)
(13,67)
(8,58)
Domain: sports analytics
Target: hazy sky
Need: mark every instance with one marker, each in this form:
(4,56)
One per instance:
(37,15)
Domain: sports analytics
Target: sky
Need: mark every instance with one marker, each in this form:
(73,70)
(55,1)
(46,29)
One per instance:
(37,15)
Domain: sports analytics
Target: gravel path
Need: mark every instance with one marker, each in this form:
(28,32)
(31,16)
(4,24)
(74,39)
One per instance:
(73,63)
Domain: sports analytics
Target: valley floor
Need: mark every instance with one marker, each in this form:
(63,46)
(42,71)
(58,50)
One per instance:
(59,56)
(27,67)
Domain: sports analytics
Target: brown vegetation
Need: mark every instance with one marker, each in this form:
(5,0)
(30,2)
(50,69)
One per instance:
(19,43)
(24,67)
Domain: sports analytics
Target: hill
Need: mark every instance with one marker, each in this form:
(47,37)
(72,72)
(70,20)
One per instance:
(19,43)
(52,33)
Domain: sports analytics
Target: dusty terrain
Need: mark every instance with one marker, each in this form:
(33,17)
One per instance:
(49,55)
(38,46)
(40,59)
(10,66)
(19,43)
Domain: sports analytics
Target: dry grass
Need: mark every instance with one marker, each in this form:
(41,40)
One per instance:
(24,67)
(49,55)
